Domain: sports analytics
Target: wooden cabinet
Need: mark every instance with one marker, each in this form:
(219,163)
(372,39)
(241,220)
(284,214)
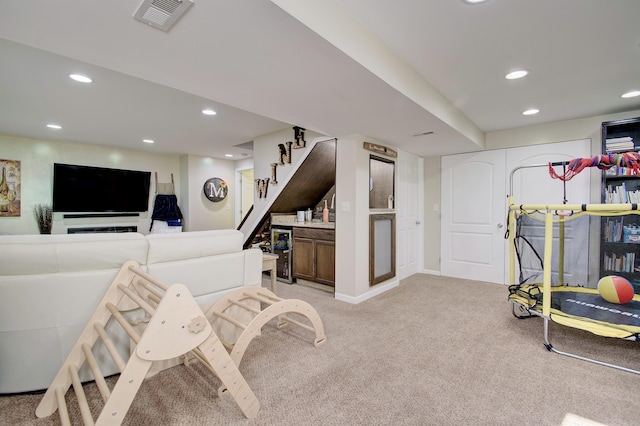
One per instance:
(304,258)
(620,236)
(314,255)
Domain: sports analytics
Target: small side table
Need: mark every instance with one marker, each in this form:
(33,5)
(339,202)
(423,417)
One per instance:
(269,264)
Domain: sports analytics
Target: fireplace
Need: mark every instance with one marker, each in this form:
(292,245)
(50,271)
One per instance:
(102,229)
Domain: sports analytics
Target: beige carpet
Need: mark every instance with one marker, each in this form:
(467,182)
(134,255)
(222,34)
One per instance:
(434,351)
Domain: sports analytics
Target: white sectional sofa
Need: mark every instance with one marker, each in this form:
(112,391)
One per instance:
(50,286)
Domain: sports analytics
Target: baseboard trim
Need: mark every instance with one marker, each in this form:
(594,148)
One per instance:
(375,291)
(431,272)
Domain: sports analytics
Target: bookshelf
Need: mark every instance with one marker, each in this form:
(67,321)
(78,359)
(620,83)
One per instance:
(620,235)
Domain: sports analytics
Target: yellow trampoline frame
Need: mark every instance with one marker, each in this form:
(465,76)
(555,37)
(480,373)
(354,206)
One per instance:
(551,216)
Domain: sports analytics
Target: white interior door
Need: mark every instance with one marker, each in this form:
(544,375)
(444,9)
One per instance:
(474,209)
(473,216)
(244,197)
(534,185)
(409,236)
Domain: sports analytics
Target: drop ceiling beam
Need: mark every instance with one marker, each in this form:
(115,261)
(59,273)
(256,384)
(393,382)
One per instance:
(333,23)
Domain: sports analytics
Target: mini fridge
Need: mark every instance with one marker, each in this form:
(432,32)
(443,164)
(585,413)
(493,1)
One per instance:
(281,244)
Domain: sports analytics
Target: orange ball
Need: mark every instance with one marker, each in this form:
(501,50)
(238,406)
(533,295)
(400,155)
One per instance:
(615,289)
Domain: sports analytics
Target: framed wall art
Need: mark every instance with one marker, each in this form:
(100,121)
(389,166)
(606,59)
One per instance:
(10,187)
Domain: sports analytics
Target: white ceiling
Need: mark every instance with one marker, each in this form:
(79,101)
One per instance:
(384,69)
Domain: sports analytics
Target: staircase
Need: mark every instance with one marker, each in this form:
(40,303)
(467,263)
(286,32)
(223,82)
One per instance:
(313,178)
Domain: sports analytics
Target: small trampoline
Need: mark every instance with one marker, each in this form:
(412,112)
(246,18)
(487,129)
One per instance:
(582,308)
(549,259)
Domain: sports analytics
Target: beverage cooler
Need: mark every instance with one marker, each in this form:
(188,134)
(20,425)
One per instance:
(281,244)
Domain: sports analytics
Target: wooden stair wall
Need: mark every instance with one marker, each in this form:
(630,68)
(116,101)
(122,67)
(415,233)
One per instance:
(309,183)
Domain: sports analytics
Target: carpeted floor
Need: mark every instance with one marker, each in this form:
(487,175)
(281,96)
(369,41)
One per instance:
(433,351)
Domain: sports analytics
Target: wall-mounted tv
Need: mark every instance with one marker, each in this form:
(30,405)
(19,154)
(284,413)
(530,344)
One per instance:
(97,189)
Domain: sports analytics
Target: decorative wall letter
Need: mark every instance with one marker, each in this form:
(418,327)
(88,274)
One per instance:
(288,151)
(284,153)
(298,133)
(261,187)
(274,180)
(215,189)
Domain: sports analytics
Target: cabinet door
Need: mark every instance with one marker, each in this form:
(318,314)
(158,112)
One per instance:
(303,258)
(325,262)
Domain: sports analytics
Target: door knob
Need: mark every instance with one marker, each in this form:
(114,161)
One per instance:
(499,225)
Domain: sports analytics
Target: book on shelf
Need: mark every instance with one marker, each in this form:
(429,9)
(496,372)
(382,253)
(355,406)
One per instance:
(619,171)
(613,230)
(620,139)
(619,194)
(620,262)
(624,143)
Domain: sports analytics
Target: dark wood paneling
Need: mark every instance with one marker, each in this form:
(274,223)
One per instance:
(313,179)
(389,249)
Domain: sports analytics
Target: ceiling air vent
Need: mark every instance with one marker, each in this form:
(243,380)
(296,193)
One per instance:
(162,14)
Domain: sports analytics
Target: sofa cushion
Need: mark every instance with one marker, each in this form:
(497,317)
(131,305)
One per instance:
(51,300)
(46,254)
(209,278)
(191,245)
(50,287)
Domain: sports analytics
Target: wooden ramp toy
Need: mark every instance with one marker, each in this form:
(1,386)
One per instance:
(176,326)
(247,303)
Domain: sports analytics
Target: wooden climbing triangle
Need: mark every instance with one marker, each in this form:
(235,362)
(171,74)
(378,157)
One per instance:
(176,326)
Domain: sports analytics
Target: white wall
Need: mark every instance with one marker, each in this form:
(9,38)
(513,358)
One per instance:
(244,164)
(352,233)
(202,213)
(432,207)
(37,158)
(560,131)
(352,226)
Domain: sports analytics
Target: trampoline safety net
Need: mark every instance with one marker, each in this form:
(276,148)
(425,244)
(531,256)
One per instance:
(574,276)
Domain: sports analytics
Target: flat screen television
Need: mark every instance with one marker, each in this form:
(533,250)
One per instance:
(98,189)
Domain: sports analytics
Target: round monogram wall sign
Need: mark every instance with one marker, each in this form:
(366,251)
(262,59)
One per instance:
(215,189)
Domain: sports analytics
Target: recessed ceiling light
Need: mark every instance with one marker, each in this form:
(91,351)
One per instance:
(81,78)
(474,1)
(532,111)
(229,155)
(208,111)
(631,94)
(148,140)
(54,126)
(516,74)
